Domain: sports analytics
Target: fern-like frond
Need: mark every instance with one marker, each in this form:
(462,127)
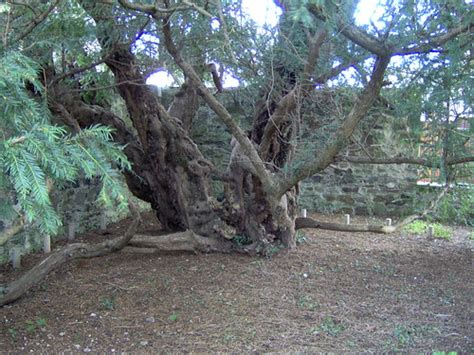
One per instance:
(32,150)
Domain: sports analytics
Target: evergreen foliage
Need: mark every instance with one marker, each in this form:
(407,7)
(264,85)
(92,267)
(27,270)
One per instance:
(36,154)
(267,61)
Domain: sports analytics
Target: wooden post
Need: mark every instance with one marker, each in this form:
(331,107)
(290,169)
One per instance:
(47,243)
(16,258)
(103,221)
(347,218)
(430,231)
(388,221)
(71,231)
(303,213)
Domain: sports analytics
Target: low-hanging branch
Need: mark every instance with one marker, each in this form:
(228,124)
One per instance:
(8,233)
(18,288)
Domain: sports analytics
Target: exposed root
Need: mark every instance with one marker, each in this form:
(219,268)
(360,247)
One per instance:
(181,241)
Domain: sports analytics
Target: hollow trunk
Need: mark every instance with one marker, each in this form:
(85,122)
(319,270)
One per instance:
(259,219)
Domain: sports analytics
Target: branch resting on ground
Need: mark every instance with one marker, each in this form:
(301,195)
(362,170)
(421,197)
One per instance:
(18,288)
(301,222)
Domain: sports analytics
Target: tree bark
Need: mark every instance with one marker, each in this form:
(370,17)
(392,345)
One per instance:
(181,241)
(302,223)
(174,171)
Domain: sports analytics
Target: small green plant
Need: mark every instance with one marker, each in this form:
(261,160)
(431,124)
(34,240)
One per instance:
(421,227)
(306,302)
(77,339)
(13,333)
(301,238)
(435,352)
(32,326)
(108,303)
(404,334)
(442,232)
(447,296)
(417,227)
(471,236)
(272,250)
(173,317)
(41,322)
(241,240)
(328,326)
(456,207)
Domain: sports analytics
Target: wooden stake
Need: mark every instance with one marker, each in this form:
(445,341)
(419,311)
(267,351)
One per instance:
(103,221)
(71,230)
(430,231)
(47,243)
(347,218)
(388,221)
(16,258)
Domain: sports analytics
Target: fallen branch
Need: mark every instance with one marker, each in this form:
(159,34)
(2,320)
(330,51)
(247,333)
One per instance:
(303,222)
(312,223)
(19,287)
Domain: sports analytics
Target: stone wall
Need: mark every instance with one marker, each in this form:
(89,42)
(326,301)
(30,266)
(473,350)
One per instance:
(361,190)
(385,190)
(74,203)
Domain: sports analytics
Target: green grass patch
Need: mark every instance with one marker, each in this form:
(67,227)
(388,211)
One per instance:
(108,303)
(330,326)
(405,336)
(421,227)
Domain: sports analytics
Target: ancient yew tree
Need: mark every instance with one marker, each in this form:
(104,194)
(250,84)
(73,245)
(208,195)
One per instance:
(89,53)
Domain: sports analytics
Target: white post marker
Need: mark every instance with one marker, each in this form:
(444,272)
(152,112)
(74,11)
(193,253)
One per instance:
(388,221)
(303,213)
(16,258)
(47,243)
(347,218)
(430,231)
(103,221)
(71,231)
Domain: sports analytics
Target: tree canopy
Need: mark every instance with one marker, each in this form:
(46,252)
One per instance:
(66,64)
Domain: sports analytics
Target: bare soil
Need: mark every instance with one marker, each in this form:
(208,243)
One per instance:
(336,292)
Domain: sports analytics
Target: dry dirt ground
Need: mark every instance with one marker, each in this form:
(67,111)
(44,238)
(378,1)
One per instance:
(336,292)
